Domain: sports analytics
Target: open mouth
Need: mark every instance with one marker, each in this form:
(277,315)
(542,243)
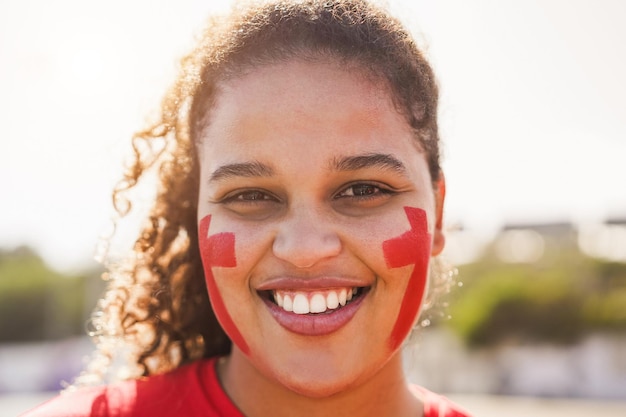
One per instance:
(315,302)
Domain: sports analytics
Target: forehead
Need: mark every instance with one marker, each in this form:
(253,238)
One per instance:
(306,84)
(302,106)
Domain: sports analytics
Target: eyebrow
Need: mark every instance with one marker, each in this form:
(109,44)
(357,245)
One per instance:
(347,163)
(242,169)
(371,160)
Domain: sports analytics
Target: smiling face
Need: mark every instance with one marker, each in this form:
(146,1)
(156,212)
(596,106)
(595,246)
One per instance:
(317,217)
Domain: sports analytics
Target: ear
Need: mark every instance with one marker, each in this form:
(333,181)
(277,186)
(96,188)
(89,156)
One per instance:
(439,239)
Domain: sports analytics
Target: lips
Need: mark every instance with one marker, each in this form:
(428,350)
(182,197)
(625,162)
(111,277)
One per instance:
(311,307)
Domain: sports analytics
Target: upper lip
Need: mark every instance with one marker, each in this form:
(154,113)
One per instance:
(310,283)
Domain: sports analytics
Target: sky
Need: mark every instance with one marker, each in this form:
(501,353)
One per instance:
(533,109)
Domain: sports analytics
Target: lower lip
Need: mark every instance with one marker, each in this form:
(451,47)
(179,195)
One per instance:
(315,324)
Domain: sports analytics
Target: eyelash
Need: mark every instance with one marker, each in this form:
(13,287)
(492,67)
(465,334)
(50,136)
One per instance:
(238,197)
(378,191)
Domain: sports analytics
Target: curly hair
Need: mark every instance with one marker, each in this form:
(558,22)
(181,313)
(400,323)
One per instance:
(157,302)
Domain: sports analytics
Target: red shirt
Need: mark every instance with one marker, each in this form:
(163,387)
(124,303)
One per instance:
(191,390)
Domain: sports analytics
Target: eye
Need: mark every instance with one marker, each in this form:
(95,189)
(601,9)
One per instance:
(248,197)
(360,190)
(251,203)
(360,198)
(363,191)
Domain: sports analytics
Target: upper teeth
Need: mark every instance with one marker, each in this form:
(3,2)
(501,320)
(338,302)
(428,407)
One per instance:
(301,302)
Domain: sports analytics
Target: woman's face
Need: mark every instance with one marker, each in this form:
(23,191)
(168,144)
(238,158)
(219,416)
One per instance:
(317,218)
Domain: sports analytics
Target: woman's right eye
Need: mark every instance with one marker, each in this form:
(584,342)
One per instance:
(251,202)
(251,196)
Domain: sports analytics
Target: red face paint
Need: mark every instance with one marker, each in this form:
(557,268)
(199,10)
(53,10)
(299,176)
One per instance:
(219,250)
(410,248)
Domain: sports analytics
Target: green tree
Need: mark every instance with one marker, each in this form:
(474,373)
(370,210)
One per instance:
(39,303)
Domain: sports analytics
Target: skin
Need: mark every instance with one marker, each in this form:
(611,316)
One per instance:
(285,159)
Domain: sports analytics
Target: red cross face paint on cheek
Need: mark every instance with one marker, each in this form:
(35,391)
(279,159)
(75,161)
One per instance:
(410,248)
(219,251)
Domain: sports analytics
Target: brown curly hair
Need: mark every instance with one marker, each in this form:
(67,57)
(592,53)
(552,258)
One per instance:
(157,302)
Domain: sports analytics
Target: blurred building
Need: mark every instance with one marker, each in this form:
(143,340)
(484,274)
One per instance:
(529,243)
(606,240)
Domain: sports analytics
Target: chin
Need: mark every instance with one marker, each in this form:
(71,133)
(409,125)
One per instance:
(319,378)
(315,387)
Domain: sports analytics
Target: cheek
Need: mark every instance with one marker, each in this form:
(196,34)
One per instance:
(219,251)
(410,248)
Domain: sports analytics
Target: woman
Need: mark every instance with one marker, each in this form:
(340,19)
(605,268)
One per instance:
(300,186)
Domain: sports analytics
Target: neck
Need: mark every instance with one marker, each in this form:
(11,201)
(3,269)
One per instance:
(386,393)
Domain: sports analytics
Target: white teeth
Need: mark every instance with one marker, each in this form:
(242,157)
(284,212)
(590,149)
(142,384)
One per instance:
(342,297)
(278,297)
(287,303)
(301,304)
(318,304)
(332,301)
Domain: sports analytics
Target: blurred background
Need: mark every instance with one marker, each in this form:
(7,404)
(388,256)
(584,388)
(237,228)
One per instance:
(533,115)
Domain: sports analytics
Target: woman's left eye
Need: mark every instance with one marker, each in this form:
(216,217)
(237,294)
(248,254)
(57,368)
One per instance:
(362,190)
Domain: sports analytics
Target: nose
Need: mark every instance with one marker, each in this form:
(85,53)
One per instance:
(305,238)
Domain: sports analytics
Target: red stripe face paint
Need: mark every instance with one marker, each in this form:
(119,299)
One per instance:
(410,248)
(219,251)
